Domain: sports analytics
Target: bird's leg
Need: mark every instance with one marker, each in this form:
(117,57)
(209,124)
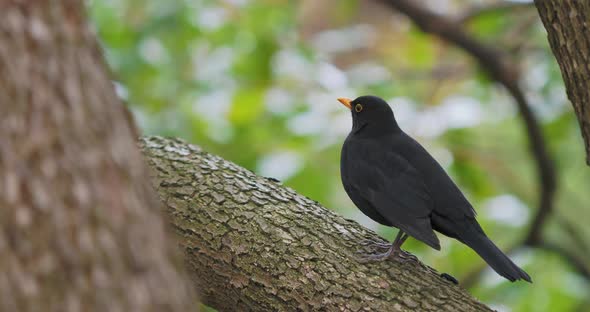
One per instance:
(398,242)
(380,244)
(365,257)
(397,248)
(399,239)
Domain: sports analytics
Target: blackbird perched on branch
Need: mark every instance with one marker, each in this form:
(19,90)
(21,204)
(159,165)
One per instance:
(393,180)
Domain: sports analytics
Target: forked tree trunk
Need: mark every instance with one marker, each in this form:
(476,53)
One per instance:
(568,27)
(254,245)
(80,225)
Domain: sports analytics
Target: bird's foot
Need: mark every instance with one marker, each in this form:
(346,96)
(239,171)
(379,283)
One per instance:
(391,253)
(405,256)
(375,244)
(379,256)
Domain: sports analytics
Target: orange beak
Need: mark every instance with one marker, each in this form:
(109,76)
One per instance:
(345,102)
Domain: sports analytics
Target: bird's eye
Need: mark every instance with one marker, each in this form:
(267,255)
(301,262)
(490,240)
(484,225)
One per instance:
(358,108)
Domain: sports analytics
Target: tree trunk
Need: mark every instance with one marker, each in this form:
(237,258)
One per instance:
(254,245)
(568,27)
(80,228)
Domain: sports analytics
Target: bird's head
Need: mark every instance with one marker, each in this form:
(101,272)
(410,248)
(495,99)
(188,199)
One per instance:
(370,113)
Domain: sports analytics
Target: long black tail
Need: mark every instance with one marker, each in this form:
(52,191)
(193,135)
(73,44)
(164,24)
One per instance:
(475,238)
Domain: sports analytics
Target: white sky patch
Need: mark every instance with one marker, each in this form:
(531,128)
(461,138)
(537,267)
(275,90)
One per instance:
(307,123)
(507,209)
(453,112)
(278,101)
(551,106)
(429,124)
(215,104)
(292,64)
(367,73)
(211,18)
(558,95)
(461,111)
(341,124)
(340,40)
(152,51)
(327,103)
(318,118)
(280,165)
(330,77)
(335,119)
(212,66)
(404,111)
(537,75)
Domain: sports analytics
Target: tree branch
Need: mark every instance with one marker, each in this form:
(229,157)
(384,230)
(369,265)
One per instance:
(254,245)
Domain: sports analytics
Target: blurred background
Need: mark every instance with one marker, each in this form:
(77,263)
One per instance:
(256,82)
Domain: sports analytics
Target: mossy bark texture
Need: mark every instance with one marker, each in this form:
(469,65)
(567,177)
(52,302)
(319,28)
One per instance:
(255,245)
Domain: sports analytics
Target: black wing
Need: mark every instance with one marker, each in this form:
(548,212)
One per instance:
(395,189)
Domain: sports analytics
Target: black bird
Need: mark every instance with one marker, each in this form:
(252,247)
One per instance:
(393,180)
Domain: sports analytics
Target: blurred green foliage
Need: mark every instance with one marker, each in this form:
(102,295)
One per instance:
(255,81)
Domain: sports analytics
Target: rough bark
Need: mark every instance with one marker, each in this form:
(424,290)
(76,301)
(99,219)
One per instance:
(568,28)
(80,228)
(254,245)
